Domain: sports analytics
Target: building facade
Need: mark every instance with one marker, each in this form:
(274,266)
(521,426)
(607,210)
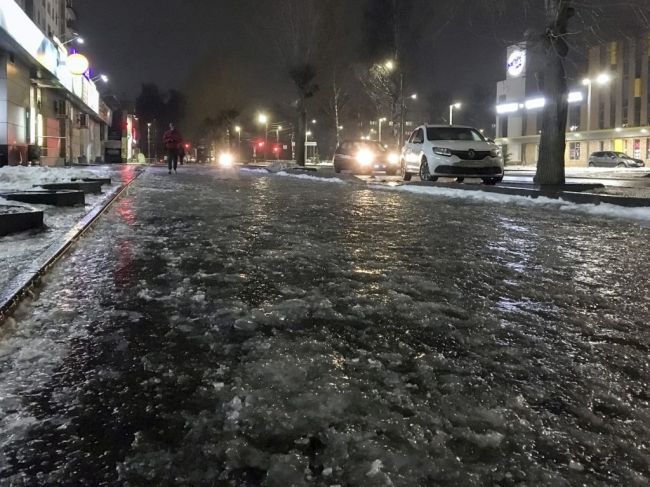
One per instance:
(608,104)
(47,114)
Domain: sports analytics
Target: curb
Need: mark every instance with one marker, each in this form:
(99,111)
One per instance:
(569,196)
(18,287)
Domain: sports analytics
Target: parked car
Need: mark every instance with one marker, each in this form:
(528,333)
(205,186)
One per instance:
(460,152)
(613,159)
(365,157)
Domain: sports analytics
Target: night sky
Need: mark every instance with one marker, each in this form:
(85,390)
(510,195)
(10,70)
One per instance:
(191,45)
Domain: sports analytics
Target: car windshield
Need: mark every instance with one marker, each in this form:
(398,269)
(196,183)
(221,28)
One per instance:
(454,133)
(370,144)
(623,156)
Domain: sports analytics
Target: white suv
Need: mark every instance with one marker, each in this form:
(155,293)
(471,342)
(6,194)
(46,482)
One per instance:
(454,151)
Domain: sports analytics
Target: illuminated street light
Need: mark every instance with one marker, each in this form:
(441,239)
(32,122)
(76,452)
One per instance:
(390,65)
(77,39)
(414,96)
(264,120)
(238,130)
(102,77)
(381,120)
(602,79)
(451,111)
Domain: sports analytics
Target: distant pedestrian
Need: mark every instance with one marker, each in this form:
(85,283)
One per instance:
(172,139)
(181,153)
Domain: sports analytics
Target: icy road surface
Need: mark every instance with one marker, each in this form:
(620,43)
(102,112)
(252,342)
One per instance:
(245,329)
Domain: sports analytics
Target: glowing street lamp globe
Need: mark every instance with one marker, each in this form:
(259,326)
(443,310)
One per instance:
(77,64)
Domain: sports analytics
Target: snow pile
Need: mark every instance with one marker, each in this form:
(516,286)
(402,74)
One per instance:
(26,177)
(307,177)
(603,210)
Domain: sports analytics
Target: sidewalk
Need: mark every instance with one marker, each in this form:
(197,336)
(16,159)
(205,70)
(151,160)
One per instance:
(23,255)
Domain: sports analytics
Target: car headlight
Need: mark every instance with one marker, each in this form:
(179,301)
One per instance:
(495,153)
(393,158)
(442,151)
(225,160)
(365,157)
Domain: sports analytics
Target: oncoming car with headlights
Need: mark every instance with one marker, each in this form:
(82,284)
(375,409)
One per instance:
(365,157)
(454,151)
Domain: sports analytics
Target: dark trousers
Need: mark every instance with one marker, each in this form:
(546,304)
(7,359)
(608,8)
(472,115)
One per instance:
(172,159)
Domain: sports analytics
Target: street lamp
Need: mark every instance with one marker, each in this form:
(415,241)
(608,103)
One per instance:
(238,130)
(277,133)
(602,79)
(77,39)
(102,77)
(149,141)
(381,120)
(264,120)
(451,111)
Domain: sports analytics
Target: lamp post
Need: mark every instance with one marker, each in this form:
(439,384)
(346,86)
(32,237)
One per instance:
(381,120)
(238,130)
(602,79)
(102,77)
(451,111)
(149,141)
(264,120)
(277,133)
(77,39)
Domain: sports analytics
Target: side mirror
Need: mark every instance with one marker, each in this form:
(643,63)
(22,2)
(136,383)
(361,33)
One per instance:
(491,141)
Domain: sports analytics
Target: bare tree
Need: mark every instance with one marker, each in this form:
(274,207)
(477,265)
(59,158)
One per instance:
(296,41)
(568,25)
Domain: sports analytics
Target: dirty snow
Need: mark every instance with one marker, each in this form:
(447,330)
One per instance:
(26,177)
(258,331)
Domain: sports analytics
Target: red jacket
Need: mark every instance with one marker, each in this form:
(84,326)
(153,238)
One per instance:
(172,139)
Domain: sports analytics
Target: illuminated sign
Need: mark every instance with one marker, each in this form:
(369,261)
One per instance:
(15,23)
(19,26)
(77,64)
(517,63)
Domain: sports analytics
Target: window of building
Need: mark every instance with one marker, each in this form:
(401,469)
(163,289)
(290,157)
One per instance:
(637,112)
(601,145)
(647,141)
(637,148)
(574,151)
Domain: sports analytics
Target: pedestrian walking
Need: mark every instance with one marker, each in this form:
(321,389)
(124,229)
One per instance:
(172,139)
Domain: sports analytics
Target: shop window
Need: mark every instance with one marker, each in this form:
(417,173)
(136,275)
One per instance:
(637,148)
(574,151)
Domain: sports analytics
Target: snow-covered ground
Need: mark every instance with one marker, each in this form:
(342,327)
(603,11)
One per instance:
(26,177)
(18,251)
(219,328)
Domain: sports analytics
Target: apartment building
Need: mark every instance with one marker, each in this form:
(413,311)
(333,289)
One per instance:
(608,103)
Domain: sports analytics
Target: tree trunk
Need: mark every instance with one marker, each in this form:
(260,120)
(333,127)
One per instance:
(302,131)
(550,166)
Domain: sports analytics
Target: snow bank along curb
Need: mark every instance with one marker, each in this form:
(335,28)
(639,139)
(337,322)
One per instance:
(19,286)
(307,175)
(639,213)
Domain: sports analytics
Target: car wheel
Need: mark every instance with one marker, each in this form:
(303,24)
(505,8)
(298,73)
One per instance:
(460,180)
(591,164)
(425,174)
(337,169)
(406,176)
(492,181)
(621,164)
